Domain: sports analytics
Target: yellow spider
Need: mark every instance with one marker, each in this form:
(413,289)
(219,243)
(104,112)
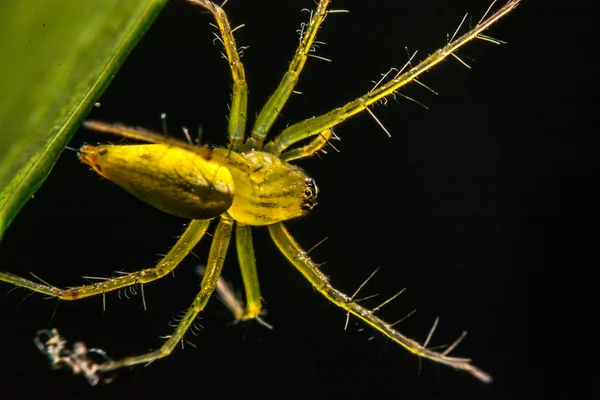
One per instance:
(249,183)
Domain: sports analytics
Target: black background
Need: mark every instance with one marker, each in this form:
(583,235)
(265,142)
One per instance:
(453,207)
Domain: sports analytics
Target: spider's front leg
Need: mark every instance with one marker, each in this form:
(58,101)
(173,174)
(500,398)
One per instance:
(300,259)
(311,127)
(182,248)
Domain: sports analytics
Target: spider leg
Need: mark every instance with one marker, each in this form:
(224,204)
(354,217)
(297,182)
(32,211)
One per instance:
(239,97)
(216,257)
(152,137)
(300,259)
(271,109)
(245,251)
(313,126)
(228,296)
(184,245)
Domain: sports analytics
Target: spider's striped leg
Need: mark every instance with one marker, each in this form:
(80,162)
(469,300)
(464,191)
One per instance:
(300,259)
(271,109)
(311,127)
(184,245)
(216,257)
(309,149)
(239,96)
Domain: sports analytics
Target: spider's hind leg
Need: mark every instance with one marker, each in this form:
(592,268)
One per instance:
(216,258)
(184,245)
(300,259)
(147,136)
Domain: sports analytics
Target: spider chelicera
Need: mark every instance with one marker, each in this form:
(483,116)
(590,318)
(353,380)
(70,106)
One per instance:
(249,183)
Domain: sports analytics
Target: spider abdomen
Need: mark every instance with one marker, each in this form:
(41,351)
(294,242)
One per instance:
(171,179)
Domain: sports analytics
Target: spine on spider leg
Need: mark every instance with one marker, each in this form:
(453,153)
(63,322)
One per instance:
(368,316)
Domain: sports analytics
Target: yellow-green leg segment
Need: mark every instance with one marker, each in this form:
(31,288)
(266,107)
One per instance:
(272,108)
(239,95)
(216,257)
(182,248)
(314,126)
(300,259)
(245,251)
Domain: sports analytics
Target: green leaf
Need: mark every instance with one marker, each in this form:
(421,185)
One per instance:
(56,59)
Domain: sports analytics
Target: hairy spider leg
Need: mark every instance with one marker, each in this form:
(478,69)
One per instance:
(216,257)
(301,260)
(314,126)
(271,109)
(188,240)
(239,95)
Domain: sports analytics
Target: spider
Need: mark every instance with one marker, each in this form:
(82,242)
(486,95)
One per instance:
(250,183)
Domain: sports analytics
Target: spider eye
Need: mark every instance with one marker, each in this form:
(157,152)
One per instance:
(309,194)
